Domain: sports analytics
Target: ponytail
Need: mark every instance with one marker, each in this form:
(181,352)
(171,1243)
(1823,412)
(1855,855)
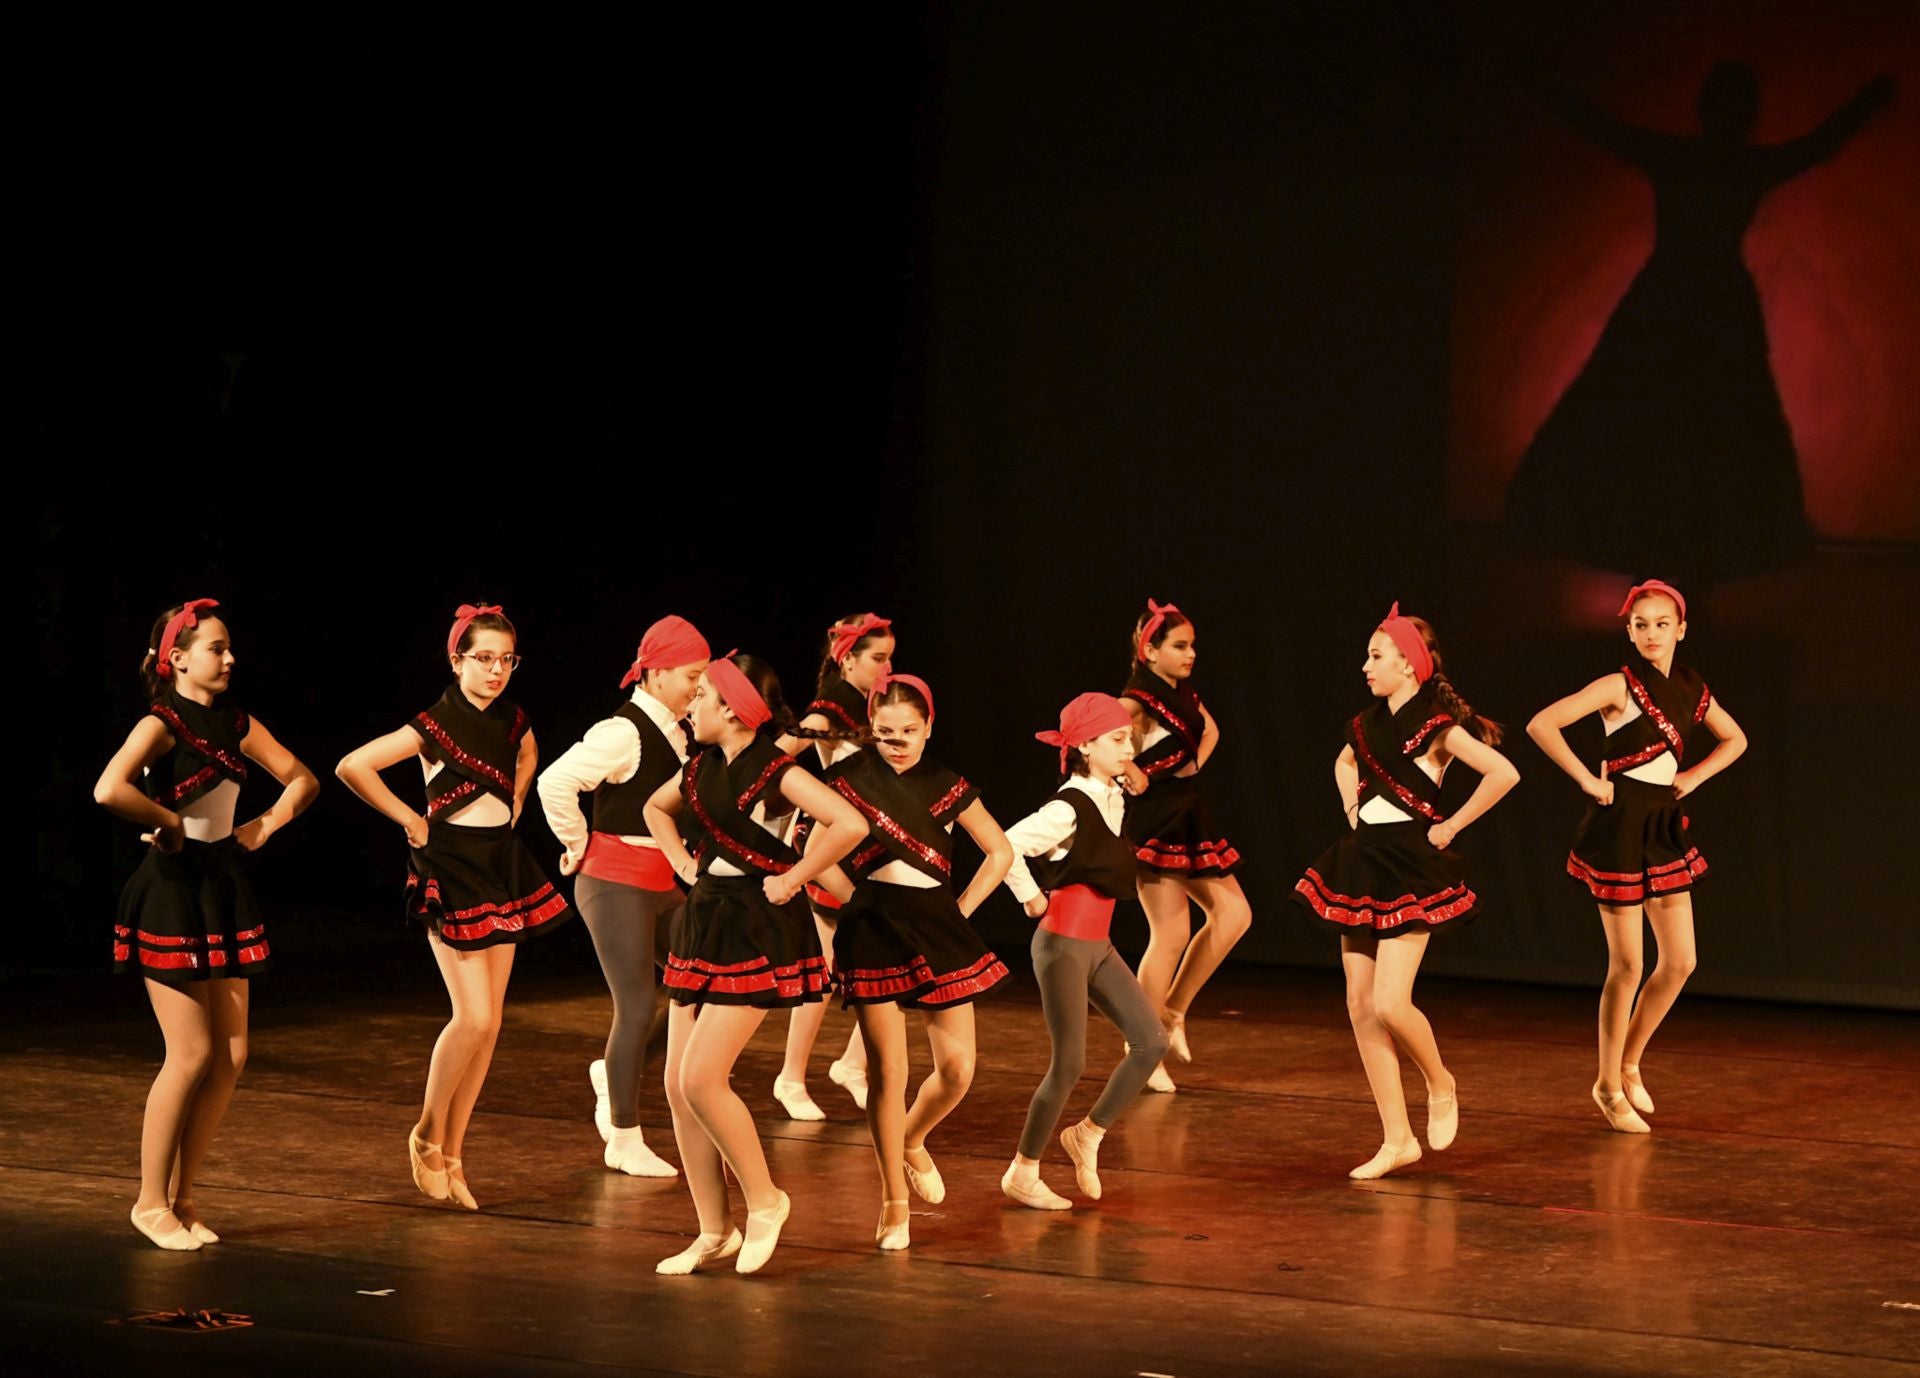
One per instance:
(1486,729)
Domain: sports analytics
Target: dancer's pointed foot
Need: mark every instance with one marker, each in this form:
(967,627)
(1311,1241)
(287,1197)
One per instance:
(852,1079)
(1636,1089)
(708,1248)
(763,1233)
(457,1186)
(891,1233)
(1022,1184)
(794,1099)
(1175,1023)
(1082,1142)
(1621,1115)
(1390,1158)
(160,1225)
(924,1177)
(627,1152)
(431,1180)
(1443,1118)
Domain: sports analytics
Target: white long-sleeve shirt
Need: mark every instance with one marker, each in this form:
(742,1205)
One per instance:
(1048,830)
(608,754)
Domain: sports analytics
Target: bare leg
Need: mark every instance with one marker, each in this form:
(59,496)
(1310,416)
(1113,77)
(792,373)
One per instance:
(1378,1055)
(497,963)
(1169,925)
(187,1025)
(1622,924)
(804,1021)
(471,1029)
(1228,918)
(884,1029)
(1396,964)
(951,1034)
(1672,920)
(227,1057)
(699,1158)
(711,1049)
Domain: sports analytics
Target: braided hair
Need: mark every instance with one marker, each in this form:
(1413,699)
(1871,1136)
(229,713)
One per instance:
(1485,729)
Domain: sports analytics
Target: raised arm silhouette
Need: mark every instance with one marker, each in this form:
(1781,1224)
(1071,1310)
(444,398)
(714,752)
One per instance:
(1670,450)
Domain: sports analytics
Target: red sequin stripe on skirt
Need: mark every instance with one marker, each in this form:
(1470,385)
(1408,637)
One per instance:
(1199,858)
(1629,887)
(918,979)
(484,920)
(191,952)
(1360,911)
(756,976)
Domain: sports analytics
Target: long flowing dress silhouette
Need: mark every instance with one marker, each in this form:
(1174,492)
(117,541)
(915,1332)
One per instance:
(1670,450)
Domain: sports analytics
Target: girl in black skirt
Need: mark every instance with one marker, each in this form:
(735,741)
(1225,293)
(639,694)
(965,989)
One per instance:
(1633,853)
(1395,880)
(743,943)
(188,919)
(470,880)
(904,941)
(1182,857)
(858,651)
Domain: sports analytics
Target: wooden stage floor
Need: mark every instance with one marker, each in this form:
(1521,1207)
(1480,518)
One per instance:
(1767,1226)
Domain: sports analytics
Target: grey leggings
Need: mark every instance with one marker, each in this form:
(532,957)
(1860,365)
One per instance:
(1072,971)
(627,933)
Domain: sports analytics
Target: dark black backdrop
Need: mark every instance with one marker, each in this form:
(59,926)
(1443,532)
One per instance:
(995,321)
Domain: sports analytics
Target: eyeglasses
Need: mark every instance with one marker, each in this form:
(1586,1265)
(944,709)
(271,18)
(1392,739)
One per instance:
(486,660)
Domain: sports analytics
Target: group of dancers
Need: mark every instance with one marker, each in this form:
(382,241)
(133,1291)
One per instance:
(758,861)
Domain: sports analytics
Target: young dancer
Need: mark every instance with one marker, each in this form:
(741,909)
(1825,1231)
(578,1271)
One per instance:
(743,943)
(859,650)
(188,920)
(1083,865)
(471,882)
(1394,880)
(626,886)
(903,940)
(1182,859)
(1632,851)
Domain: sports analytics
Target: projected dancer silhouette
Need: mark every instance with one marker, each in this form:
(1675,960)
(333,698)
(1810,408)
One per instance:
(1670,449)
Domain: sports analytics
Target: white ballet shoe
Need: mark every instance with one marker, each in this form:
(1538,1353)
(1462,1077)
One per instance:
(179,1239)
(1032,1192)
(602,1107)
(1443,1118)
(708,1248)
(1175,1023)
(926,1181)
(1636,1090)
(1160,1081)
(457,1186)
(432,1181)
(793,1097)
(891,1236)
(1388,1159)
(196,1227)
(1621,1115)
(1084,1150)
(852,1079)
(627,1152)
(763,1233)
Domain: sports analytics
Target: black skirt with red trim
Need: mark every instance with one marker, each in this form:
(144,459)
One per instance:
(1636,848)
(1387,879)
(1172,834)
(905,945)
(479,887)
(191,915)
(733,946)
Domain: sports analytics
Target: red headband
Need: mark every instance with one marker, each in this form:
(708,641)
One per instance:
(880,687)
(188,616)
(738,693)
(463,619)
(844,639)
(1156,615)
(1659,586)
(1087,717)
(1412,645)
(670,641)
